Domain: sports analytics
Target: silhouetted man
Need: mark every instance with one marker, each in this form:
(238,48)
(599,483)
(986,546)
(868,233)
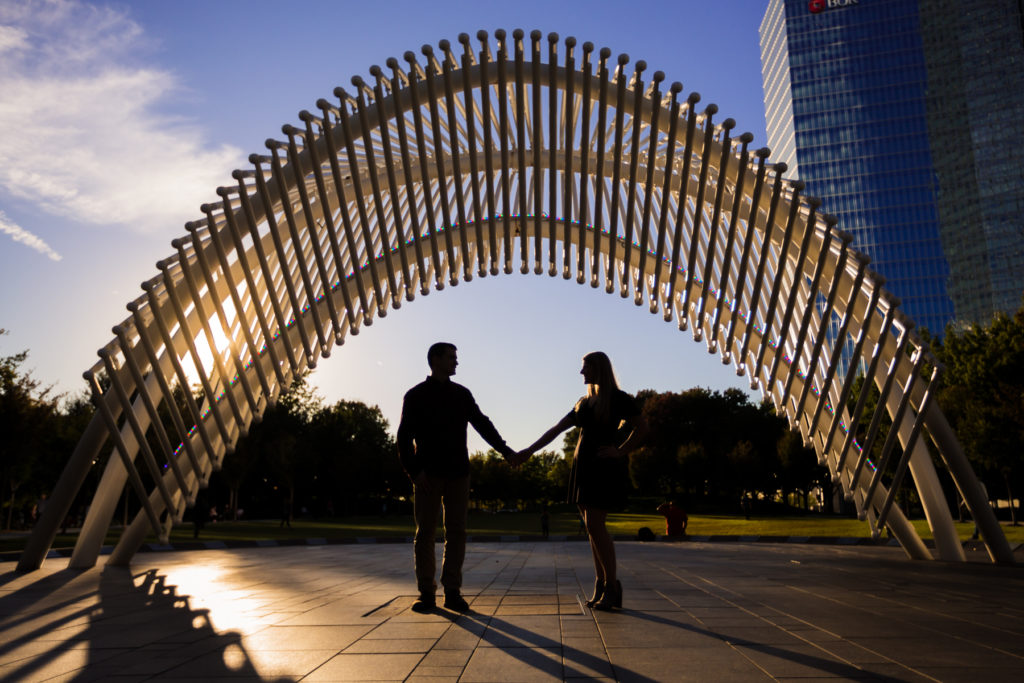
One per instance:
(432,449)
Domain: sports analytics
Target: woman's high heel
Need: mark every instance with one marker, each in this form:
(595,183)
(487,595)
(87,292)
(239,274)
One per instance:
(612,598)
(598,593)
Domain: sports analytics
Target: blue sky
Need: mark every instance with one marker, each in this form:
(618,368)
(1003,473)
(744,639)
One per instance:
(121,119)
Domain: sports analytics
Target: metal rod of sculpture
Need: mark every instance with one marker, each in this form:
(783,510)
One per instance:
(439,166)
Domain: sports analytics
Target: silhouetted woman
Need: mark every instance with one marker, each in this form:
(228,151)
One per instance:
(610,427)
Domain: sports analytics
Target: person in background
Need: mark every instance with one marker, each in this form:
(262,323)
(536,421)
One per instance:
(676,519)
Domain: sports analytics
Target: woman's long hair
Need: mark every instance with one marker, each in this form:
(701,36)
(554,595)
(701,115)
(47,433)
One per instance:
(606,383)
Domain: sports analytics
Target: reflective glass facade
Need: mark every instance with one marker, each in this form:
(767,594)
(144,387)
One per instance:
(859,103)
(975,55)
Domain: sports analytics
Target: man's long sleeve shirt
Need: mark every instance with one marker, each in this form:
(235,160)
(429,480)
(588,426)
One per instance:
(432,431)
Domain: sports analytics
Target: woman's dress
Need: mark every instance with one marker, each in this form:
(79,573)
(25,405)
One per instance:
(595,481)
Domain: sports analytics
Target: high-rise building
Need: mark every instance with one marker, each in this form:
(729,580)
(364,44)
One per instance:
(901,115)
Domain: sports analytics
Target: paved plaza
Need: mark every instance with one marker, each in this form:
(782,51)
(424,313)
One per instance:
(693,612)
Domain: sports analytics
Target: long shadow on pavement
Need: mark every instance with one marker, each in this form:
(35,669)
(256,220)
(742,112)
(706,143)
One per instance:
(520,644)
(65,623)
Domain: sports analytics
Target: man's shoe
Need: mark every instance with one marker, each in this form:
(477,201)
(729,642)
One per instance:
(456,603)
(424,604)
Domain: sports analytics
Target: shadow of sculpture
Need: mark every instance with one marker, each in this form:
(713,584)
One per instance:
(98,624)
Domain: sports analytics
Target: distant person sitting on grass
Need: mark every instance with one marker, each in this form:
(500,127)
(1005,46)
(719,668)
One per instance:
(676,519)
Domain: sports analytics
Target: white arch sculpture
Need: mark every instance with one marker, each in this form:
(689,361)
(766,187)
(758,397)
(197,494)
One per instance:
(464,164)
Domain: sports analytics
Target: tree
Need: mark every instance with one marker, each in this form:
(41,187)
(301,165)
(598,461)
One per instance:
(798,466)
(558,476)
(334,459)
(749,473)
(72,418)
(538,478)
(693,441)
(353,458)
(867,414)
(983,397)
(656,470)
(28,425)
(279,442)
(235,470)
(491,478)
(674,420)
(695,467)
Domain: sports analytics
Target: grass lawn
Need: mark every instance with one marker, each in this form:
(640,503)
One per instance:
(516,523)
(567,524)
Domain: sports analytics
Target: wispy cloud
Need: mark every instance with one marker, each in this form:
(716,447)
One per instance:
(20,234)
(84,134)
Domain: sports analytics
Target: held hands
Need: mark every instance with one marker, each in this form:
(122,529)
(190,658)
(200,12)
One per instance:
(516,459)
(519,457)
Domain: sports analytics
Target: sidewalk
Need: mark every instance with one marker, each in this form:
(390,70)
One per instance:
(975,549)
(693,611)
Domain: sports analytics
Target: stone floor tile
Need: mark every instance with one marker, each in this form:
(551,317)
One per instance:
(138,663)
(435,674)
(530,599)
(458,640)
(936,651)
(647,604)
(864,676)
(682,664)
(53,663)
(305,637)
(756,635)
(37,630)
(585,658)
(797,660)
(513,664)
(504,610)
(573,609)
(100,674)
(447,658)
(635,629)
(522,631)
(14,652)
(813,635)
(295,663)
(852,652)
(331,615)
(579,627)
(489,598)
(229,661)
(897,672)
(402,630)
(484,610)
(386,646)
(970,674)
(366,667)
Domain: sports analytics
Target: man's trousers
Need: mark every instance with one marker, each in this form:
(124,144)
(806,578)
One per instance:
(428,500)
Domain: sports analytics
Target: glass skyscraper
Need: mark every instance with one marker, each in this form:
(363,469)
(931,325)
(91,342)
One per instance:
(902,116)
